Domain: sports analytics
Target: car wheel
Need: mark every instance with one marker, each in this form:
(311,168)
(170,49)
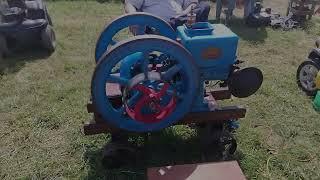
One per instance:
(48,38)
(306,77)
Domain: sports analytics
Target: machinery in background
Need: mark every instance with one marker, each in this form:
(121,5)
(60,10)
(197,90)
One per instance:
(262,17)
(25,22)
(150,82)
(298,12)
(302,9)
(308,71)
(259,16)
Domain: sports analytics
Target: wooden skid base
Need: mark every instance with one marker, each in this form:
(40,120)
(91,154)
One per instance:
(216,115)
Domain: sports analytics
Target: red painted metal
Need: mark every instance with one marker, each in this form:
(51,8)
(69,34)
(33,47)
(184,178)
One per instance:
(151,99)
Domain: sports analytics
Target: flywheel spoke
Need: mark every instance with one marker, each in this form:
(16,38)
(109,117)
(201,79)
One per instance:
(145,63)
(117,79)
(168,75)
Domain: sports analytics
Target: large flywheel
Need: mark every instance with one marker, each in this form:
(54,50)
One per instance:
(140,19)
(158,88)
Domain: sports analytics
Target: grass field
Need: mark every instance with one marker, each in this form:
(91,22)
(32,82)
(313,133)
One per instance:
(42,106)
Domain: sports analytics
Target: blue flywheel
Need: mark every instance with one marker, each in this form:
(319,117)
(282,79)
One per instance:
(140,19)
(152,98)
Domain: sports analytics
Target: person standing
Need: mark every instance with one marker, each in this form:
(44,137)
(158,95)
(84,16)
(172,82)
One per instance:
(249,6)
(172,11)
(231,4)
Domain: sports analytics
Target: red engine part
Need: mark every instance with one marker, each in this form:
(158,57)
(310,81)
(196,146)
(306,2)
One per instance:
(151,99)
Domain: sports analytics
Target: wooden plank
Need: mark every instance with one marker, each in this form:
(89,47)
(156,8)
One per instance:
(206,171)
(217,116)
(113,90)
(99,126)
(221,94)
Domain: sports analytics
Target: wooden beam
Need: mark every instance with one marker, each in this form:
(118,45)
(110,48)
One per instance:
(221,94)
(217,116)
(220,115)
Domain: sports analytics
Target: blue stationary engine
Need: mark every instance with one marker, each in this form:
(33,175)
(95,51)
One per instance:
(161,77)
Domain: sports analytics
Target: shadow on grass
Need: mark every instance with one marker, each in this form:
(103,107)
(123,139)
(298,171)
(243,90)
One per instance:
(250,34)
(162,149)
(19,58)
(98,171)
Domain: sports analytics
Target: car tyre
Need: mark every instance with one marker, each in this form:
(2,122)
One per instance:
(304,76)
(48,38)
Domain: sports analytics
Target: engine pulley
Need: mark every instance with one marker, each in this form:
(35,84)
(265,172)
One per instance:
(245,82)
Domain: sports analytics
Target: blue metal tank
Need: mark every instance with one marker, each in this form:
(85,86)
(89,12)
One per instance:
(213,46)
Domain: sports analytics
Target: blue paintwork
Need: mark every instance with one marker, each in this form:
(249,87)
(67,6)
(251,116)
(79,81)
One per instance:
(211,36)
(128,62)
(194,67)
(102,75)
(198,29)
(141,19)
(200,37)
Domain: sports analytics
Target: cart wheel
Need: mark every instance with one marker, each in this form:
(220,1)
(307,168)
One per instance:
(3,46)
(210,134)
(306,76)
(48,39)
(216,138)
(228,144)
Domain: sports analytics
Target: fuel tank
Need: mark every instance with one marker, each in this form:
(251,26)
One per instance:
(213,46)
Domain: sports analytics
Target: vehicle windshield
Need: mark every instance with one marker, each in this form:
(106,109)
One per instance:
(9,10)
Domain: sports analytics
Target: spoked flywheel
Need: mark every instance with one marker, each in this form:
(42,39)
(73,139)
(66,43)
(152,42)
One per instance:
(157,78)
(140,21)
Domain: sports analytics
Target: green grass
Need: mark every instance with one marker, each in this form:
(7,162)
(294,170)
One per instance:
(42,107)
